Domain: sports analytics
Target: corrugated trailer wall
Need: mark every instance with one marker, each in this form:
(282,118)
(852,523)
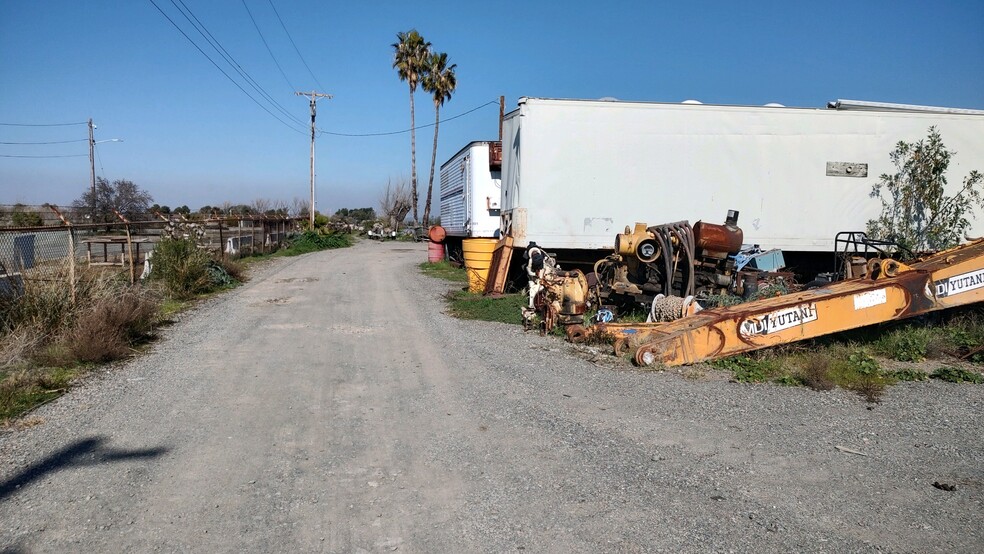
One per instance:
(576,172)
(453,194)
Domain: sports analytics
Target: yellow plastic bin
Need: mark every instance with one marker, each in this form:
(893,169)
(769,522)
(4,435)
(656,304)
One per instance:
(478,259)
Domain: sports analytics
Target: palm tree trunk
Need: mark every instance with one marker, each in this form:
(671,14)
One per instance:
(430,182)
(413,162)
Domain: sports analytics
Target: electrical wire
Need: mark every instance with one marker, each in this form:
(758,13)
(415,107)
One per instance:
(50,142)
(227,76)
(217,46)
(64,156)
(405,130)
(43,124)
(320,86)
(98,157)
(262,38)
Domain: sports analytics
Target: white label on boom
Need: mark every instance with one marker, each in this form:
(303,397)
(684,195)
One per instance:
(959,283)
(779,320)
(871,298)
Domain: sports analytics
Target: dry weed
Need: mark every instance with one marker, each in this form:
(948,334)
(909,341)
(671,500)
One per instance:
(815,372)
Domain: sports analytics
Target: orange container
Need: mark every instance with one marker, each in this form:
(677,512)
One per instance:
(436,233)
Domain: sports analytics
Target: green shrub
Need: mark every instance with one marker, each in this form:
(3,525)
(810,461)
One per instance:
(908,375)
(747,369)
(957,375)
(182,267)
(312,241)
(905,344)
(26,219)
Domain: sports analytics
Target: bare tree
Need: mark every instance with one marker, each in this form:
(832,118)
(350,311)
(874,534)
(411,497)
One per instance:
(395,202)
(300,207)
(261,205)
(281,207)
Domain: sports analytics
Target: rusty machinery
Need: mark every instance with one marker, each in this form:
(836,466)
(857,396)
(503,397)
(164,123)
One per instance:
(890,290)
(563,300)
(556,296)
(672,260)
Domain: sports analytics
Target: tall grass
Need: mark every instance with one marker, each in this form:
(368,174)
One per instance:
(46,338)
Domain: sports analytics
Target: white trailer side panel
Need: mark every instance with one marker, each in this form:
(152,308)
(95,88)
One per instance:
(470,193)
(577,172)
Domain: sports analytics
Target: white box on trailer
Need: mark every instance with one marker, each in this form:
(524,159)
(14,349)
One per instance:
(470,192)
(576,172)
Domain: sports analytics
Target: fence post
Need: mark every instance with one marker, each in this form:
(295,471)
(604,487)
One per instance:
(221,242)
(71,251)
(129,246)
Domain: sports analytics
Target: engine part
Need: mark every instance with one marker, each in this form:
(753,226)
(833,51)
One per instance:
(673,259)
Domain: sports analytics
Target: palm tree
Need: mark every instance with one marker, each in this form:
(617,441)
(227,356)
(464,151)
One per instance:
(440,81)
(410,56)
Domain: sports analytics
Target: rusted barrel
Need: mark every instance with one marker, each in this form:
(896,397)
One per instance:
(435,251)
(436,233)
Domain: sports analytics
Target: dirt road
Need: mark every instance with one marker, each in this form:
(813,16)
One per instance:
(330,406)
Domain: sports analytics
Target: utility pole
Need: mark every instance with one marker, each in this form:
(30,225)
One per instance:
(92,160)
(314,112)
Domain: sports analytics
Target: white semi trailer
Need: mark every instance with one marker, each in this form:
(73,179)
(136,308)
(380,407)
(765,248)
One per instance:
(470,194)
(576,172)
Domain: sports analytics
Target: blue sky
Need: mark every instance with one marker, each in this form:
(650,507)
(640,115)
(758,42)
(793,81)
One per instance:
(191,137)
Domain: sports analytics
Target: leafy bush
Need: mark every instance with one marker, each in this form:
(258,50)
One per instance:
(908,375)
(312,241)
(26,219)
(867,380)
(916,211)
(747,369)
(905,344)
(957,375)
(182,267)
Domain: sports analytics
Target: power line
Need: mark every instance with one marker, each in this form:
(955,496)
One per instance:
(42,124)
(295,45)
(405,130)
(227,76)
(98,157)
(257,27)
(65,156)
(217,46)
(49,142)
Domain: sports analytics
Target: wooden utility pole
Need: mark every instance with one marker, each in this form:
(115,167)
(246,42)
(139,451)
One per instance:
(502,114)
(314,112)
(92,161)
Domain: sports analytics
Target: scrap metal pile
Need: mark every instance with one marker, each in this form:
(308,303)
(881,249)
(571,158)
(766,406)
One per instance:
(674,270)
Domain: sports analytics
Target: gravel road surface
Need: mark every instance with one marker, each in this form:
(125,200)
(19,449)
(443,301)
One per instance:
(330,405)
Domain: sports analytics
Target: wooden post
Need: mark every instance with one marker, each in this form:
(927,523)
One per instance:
(129,246)
(502,114)
(221,242)
(71,250)
(71,261)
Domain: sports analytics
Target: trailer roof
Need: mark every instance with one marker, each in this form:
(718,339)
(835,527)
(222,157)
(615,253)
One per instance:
(839,105)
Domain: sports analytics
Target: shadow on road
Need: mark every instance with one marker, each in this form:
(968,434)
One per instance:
(86,452)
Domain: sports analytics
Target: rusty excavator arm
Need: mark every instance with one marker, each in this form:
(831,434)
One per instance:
(891,291)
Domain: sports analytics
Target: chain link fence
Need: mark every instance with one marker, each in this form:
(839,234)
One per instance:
(56,249)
